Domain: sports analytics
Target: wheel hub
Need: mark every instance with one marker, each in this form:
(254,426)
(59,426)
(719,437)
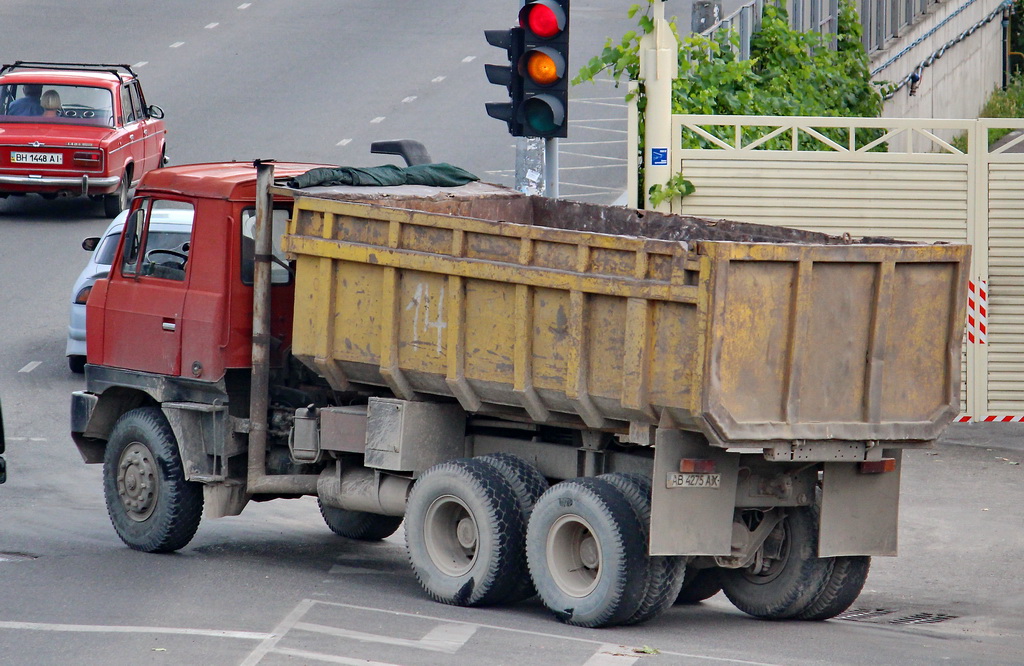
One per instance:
(451,535)
(137,481)
(574,556)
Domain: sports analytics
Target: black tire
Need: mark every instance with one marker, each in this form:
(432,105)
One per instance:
(586,553)
(462,531)
(360,525)
(528,484)
(76,364)
(788,585)
(698,585)
(117,201)
(849,573)
(665,575)
(151,505)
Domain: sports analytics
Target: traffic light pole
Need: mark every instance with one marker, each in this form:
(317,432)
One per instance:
(551,168)
(530,165)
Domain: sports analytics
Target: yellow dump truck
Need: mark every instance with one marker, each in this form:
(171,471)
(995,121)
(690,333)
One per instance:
(614,409)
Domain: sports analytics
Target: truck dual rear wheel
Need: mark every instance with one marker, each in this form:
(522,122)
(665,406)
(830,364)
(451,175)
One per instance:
(464,533)
(359,525)
(849,573)
(587,554)
(699,584)
(151,505)
(665,574)
(787,577)
(528,484)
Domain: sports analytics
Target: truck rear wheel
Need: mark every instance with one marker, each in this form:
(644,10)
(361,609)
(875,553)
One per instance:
(586,553)
(528,484)
(151,505)
(359,525)
(666,573)
(463,530)
(849,573)
(698,585)
(787,576)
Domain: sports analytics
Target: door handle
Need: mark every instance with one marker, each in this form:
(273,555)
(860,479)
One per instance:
(168,325)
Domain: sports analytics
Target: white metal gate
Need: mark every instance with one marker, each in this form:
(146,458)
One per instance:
(901,178)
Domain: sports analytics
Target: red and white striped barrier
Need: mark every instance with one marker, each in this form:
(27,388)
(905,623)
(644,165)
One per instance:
(977,312)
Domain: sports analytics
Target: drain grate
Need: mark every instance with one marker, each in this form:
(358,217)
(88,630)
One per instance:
(893,616)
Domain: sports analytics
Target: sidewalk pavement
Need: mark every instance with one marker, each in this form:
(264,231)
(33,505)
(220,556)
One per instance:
(988,435)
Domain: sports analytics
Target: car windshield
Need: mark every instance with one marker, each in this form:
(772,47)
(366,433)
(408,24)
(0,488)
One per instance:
(59,104)
(108,247)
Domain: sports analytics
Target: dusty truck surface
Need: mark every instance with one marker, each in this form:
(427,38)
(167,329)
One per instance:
(615,410)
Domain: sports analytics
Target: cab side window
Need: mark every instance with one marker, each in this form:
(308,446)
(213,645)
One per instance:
(158,239)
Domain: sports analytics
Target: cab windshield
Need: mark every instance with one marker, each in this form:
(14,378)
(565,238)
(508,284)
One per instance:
(59,104)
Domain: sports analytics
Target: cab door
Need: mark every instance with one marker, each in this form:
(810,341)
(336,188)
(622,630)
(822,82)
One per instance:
(146,292)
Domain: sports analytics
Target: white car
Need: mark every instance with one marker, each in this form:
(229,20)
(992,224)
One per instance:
(170,229)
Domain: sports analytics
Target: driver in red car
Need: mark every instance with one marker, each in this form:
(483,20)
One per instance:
(29,105)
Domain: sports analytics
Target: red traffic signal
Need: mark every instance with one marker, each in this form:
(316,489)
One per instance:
(543,67)
(545,19)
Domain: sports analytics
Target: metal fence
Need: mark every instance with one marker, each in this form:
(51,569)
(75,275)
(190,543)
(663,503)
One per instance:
(882,19)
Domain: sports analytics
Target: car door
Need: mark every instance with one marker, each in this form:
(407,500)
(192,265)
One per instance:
(146,294)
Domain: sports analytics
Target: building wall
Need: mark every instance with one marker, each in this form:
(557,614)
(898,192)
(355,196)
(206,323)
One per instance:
(956,84)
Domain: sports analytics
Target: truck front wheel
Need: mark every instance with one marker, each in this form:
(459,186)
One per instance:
(787,575)
(151,505)
(463,530)
(587,553)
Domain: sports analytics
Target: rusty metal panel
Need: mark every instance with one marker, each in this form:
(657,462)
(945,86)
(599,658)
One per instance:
(601,317)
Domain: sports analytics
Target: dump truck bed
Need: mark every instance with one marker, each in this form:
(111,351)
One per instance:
(605,318)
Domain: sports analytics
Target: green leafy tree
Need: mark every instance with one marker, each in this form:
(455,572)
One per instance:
(789,73)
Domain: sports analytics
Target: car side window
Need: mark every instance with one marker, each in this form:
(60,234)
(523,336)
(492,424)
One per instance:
(126,107)
(158,239)
(138,110)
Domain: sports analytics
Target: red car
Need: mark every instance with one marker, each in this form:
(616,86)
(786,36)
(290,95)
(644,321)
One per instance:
(70,129)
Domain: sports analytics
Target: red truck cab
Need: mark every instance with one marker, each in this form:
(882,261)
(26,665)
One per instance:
(187,312)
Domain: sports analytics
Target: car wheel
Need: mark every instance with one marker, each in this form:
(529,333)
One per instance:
(118,201)
(76,364)
(151,505)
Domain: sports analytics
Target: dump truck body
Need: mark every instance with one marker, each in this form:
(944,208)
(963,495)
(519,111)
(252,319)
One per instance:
(784,344)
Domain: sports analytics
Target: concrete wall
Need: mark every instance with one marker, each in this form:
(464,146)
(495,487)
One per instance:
(957,84)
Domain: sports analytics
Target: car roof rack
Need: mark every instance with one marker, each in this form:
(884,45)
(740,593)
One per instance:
(116,70)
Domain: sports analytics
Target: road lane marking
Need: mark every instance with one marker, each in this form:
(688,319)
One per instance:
(26,439)
(469,59)
(29,367)
(438,79)
(176,45)
(141,63)
(245,5)
(378,120)
(111,629)
(445,638)
(330,659)
(344,142)
(211,26)
(279,632)
(611,654)
(306,604)
(411,98)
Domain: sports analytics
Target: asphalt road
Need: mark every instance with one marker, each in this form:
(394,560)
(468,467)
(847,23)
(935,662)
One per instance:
(273,586)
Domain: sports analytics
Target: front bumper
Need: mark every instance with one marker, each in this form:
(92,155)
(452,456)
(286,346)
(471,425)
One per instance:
(84,184)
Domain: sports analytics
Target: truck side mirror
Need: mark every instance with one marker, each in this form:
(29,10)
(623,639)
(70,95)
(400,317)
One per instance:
(90,243)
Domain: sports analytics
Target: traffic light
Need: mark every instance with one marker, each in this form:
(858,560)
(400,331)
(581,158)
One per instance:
(537,73)
(543,66)
(507,75)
